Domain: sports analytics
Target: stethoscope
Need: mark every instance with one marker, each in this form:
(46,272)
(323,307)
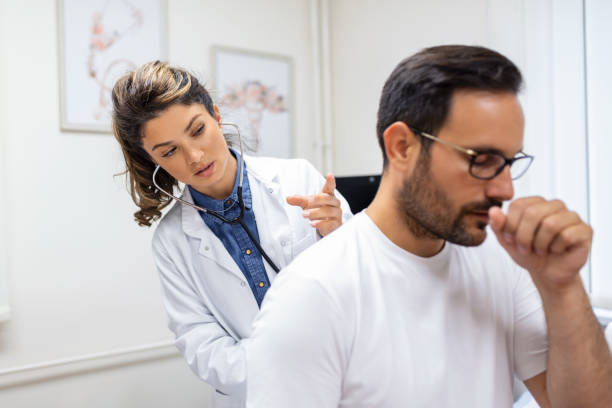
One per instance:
(238,220)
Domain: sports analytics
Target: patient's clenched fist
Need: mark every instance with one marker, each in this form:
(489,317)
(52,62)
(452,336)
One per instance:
(545,238)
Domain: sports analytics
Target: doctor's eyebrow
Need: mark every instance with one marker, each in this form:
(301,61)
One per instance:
(160,145)
(191,122)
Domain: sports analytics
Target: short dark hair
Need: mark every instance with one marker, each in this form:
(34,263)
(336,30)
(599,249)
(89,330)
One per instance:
(419,90)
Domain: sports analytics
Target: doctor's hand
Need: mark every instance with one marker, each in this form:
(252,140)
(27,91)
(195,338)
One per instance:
(545,238)
(323,209)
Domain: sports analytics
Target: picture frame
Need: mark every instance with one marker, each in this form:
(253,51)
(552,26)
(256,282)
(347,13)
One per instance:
(254,90)
(99,41)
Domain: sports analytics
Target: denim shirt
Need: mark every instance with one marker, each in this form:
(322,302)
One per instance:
(233,237)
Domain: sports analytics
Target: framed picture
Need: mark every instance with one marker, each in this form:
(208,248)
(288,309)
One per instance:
(255,91)
(99,41)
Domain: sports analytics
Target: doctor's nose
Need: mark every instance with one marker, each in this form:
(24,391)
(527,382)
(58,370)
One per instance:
(193,156)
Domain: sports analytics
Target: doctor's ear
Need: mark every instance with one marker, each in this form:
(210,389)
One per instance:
(401,146)
(217,114)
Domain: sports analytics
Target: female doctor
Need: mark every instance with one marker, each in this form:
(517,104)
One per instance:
(240,218)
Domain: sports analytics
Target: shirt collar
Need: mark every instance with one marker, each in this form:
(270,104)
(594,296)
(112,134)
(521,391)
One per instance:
(230,202)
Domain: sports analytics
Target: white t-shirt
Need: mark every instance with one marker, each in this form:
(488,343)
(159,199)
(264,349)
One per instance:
(356,321)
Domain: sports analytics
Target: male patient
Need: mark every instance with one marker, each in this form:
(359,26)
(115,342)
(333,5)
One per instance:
(410,304)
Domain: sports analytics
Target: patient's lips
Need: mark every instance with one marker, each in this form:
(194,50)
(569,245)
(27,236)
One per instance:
(481,215)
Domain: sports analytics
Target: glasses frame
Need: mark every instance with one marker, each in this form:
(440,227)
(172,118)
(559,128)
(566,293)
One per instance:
(473,154)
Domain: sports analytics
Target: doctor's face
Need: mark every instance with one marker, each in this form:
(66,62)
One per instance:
(187,142)
(440,198)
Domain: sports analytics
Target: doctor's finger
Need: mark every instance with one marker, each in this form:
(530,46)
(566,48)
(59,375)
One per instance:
(330,184)
(325,226)
(323,199)
(323,213)
(301,201)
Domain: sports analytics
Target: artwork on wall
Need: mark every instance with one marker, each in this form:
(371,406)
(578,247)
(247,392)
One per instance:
(254,90)
(100,40)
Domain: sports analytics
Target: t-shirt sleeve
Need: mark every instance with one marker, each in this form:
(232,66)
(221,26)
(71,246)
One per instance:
(295,355)
(530,338)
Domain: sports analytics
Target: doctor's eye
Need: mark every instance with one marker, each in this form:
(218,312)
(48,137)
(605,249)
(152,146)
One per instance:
(169,152)
(199,131)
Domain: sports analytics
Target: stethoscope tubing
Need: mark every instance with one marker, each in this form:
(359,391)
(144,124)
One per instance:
(238,220)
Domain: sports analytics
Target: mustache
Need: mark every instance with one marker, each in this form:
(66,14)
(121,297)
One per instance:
(481,206)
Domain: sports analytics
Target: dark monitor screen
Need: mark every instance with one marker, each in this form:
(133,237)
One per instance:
(359,191)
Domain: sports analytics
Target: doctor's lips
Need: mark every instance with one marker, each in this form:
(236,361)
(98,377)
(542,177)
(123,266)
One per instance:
(205,170)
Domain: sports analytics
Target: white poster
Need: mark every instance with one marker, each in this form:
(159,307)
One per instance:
(254,91)
(101,40)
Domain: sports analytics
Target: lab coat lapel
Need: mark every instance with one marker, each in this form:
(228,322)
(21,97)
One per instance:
(270,213)
(210,246)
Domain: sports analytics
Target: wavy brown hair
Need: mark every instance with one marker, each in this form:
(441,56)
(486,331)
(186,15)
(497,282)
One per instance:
(139,96)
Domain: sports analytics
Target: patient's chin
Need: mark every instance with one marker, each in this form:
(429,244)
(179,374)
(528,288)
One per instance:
(473,236)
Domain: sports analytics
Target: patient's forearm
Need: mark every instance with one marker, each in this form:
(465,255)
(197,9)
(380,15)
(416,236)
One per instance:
(579,371)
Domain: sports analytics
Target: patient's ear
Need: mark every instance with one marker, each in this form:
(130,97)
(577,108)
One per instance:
(401,146)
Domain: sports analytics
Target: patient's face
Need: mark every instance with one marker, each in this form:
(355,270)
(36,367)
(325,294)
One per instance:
(440,194)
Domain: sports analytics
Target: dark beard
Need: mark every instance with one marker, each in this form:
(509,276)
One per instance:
(428,212)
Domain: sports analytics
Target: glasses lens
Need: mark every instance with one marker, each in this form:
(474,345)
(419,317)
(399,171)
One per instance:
(487,165)
(520,166)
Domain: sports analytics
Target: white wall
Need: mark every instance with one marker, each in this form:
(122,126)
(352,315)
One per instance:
(4,301)
(80,274)
(599,88)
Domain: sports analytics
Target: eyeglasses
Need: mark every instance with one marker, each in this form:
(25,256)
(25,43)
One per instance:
(487,165)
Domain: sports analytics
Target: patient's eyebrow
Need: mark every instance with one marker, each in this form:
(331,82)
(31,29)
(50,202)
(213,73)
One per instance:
(491,149)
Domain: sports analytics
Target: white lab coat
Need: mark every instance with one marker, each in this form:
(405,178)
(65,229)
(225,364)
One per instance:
(209,302)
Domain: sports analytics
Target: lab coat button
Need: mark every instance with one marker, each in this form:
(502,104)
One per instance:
(270,190)
(206,248)
(243,284)
(283,243)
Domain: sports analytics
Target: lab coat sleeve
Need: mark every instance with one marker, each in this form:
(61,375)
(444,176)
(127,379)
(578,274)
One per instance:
(212,354)
(295,357)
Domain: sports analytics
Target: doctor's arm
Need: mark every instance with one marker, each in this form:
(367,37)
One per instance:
(211,353)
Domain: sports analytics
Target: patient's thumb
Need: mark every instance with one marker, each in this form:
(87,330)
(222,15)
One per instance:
(497,219)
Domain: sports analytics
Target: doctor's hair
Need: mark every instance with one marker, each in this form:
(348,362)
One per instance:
(419,90)
(138,97)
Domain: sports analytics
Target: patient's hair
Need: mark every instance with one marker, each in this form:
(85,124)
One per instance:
(419,90)
(138,97)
